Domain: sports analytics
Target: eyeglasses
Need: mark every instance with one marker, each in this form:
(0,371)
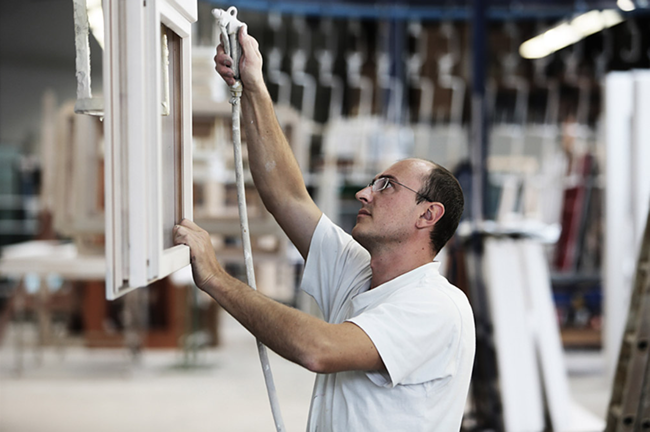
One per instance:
(378,185)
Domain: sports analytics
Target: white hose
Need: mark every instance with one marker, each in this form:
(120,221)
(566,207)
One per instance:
(235,92)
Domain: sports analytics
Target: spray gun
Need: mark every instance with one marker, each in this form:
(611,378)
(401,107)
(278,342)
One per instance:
(229,26)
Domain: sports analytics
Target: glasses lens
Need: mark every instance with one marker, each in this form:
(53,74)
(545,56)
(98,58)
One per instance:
(380,184)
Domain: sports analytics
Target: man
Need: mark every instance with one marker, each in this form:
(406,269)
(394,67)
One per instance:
(396,349)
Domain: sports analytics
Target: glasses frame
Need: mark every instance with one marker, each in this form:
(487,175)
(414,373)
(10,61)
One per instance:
(389,180)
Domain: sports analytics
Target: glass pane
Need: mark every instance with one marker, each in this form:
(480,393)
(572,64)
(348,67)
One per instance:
(171,136)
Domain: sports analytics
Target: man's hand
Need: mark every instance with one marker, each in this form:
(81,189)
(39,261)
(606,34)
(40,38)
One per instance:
(205,266)
(295,335)
(250,64)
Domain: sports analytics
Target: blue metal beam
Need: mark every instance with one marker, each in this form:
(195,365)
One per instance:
(421,10)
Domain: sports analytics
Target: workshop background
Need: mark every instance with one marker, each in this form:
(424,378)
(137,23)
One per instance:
(541,109)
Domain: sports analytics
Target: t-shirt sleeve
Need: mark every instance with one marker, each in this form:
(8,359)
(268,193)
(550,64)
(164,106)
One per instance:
(417,334)
(335,263)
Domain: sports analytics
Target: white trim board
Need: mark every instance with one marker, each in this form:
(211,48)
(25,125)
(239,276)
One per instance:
(530,358)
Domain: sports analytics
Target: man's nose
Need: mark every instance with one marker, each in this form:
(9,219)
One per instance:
(364,195)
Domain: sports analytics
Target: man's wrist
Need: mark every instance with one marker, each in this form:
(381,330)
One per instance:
(255,88)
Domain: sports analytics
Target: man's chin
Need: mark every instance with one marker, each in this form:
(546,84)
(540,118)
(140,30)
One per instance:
(358,236)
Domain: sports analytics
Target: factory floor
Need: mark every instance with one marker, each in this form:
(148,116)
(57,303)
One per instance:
(103,390)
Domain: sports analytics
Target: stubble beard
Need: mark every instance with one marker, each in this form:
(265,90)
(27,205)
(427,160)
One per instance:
(362,238)
(374,240)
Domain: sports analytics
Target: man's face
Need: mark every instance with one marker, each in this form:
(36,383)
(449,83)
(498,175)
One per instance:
(389,215)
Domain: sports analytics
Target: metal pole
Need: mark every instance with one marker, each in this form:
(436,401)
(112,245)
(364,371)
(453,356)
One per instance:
(478,137)
(485,381)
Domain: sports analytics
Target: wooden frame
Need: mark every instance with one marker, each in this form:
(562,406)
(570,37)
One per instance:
(75,170)
(138,243)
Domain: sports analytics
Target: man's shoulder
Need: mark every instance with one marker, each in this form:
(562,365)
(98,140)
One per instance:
(434,289)
(330,238)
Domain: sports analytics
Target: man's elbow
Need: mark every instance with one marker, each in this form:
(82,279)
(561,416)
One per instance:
(318,359)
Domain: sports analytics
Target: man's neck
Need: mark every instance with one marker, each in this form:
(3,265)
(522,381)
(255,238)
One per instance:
(387,266)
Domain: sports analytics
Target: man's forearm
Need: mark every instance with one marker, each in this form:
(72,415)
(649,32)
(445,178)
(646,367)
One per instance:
(295,335)
(275,170)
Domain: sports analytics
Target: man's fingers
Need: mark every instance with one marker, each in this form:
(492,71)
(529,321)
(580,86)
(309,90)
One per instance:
(243,33)
(223,60)
(189,224)
(223,65)
(180,237)
(247,42)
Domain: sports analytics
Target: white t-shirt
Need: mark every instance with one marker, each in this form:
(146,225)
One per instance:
(422,326)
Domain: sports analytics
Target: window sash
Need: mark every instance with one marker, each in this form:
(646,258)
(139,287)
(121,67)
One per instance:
(135,254)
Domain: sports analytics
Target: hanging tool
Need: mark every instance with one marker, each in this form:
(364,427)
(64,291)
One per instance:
(355,58)
(326,58)
(299,59)
(274,57)
(229,26)
(456,84)
(388,78)
(414,65)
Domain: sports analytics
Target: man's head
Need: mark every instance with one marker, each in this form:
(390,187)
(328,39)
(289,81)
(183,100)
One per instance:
(441,186)
(414,200)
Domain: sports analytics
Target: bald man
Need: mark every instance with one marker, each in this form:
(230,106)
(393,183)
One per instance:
(396,347)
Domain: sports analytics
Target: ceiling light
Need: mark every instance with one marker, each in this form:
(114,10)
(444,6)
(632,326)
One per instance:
(625,5)
(569,32)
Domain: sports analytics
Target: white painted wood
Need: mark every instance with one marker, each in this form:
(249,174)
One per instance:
(116,252)
(154,122)
(160,262)
(640,154)
(50,257)
(521,391)
(138,106)
(619,259)
(136,255)
(187,8)
(564,413)
(546,331)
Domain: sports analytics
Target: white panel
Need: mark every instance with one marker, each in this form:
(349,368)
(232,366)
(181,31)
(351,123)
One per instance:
(547,334)
(564,413)
(137,136)
(619,262)
(521,392)
(640,153)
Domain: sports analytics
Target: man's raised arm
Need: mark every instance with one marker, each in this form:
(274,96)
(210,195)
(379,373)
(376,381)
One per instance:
(276,172)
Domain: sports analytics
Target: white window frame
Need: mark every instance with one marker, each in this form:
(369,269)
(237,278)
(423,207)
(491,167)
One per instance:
(135,255)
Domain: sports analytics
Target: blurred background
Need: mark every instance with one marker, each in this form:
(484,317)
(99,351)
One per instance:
(539,108)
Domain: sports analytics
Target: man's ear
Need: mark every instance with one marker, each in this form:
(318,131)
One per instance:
(432,214)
